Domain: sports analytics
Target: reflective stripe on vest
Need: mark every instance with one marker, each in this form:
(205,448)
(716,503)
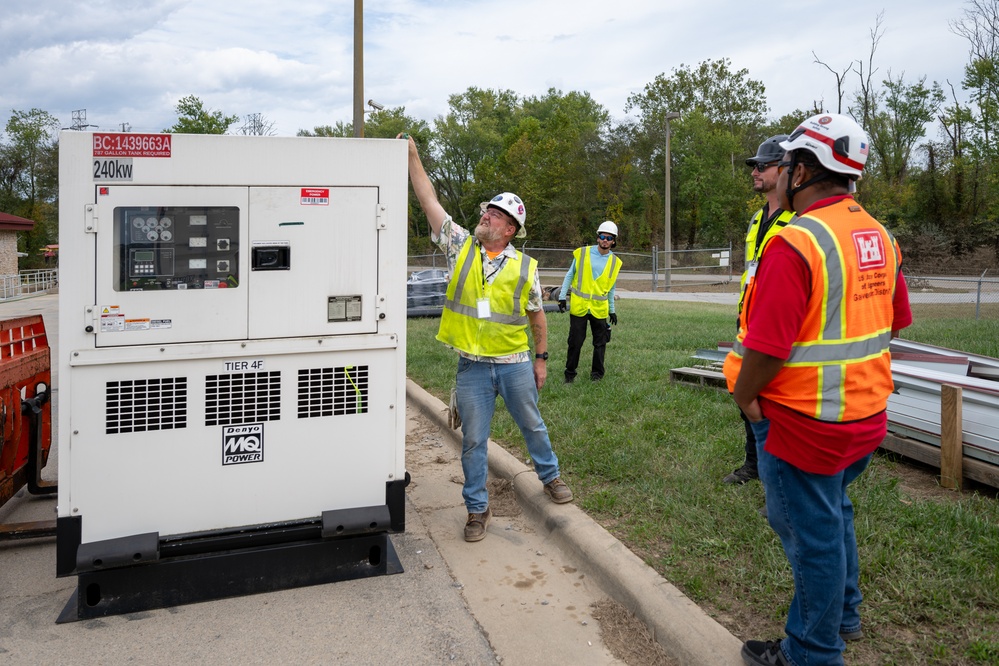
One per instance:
(504,332)
(584,300)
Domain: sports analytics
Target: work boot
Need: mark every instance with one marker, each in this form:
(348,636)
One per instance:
(570,379)
(852,635)
(741,476)
(558,491)
(763,653)
(475,526)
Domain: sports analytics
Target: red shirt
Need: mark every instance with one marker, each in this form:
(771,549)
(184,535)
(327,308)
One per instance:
(780,299)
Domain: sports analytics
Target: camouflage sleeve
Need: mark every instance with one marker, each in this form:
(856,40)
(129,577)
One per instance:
(450,241)
(534,298)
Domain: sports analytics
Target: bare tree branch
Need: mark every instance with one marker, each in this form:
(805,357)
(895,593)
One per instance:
(840,77)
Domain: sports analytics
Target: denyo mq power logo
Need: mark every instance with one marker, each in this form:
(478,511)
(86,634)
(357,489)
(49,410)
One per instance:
(243,444)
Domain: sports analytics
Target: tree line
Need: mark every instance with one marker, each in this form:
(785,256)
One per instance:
(575,167)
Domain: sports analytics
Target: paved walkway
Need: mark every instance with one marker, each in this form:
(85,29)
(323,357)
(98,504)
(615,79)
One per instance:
(518,597)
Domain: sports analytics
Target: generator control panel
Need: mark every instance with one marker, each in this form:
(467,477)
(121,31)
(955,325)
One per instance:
(176,247)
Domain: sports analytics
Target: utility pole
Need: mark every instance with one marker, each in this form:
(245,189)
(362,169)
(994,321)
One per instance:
(668,245)
(358,68)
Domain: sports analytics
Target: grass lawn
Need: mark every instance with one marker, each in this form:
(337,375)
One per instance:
(645,458)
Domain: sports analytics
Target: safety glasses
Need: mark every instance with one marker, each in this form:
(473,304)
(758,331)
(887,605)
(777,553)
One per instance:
(781,166)
(496,213)
(605,237)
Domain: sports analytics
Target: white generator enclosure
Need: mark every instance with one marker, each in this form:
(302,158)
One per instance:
(232,347)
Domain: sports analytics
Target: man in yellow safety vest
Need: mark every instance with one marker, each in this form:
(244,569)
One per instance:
(493,294)
(766,223)
(590,280)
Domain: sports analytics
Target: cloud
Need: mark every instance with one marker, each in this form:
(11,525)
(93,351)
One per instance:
(30,25)
(131,60)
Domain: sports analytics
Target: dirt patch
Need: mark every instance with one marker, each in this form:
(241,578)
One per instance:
(920,481)
(626,636)
(502,499)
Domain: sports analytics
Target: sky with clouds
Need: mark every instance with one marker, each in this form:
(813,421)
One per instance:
(130,61)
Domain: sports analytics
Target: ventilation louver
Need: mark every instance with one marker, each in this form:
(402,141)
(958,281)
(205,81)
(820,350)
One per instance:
(242,398)
(332,391)
(139,405)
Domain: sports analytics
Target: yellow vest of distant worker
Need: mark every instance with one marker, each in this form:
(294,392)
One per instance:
(840,367)
(589,295)
(755,245)
(504,331)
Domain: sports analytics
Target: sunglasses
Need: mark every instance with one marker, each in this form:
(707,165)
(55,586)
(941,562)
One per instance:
(781,166)
(760,167)
(605,237)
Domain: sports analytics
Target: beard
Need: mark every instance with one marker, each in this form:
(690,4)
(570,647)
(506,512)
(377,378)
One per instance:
(488,234)
(764,187)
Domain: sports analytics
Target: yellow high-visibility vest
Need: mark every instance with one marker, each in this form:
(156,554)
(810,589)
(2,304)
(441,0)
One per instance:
(755,245)
(504,331)
(589,294)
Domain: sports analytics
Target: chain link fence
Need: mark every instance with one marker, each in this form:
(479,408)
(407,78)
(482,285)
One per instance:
(714,269)
(642,271)
(976,297)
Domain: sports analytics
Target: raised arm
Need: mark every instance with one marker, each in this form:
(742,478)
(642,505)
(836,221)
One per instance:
(424,189)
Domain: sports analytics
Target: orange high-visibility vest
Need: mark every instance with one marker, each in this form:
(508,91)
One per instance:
(839,368)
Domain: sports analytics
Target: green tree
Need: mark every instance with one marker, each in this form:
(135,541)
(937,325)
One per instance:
(29,177)
(898,124)
(340,129)
(726,111)
(194,118)
(551,160)
(473,130)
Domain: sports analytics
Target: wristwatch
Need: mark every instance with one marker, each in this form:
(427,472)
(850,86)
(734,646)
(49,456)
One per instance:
(543,356)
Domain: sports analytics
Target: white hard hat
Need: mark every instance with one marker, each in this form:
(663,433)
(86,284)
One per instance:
(840,144)
(510,203)
(607,227)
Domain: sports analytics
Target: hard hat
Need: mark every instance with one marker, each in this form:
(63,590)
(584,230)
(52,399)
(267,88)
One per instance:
(607,227)
(769,151)
(840,144)
(510,203)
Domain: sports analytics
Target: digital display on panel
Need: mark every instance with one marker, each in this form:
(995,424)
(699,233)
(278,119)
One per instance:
(176,248)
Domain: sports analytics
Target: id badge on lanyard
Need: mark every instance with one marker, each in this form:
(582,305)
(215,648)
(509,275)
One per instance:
(751,270)
(484,311)
(483,306)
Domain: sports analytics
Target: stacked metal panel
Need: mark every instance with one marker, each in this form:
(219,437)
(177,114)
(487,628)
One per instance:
(919,370)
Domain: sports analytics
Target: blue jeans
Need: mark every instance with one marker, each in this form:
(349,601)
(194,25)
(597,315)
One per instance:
(813,516)
(478,386)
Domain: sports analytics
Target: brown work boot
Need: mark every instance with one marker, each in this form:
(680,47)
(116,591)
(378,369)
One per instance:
(475,527)
(558,491)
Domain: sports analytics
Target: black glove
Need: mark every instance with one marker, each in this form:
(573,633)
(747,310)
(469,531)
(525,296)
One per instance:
(561,306)
(613,316)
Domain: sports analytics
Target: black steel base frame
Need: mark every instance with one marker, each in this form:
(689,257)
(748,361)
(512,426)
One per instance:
(209,576)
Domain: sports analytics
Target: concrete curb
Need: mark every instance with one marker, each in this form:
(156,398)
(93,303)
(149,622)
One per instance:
(678,624)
